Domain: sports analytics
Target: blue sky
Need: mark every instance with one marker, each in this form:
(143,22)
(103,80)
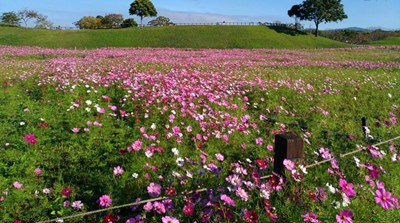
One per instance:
(362,13)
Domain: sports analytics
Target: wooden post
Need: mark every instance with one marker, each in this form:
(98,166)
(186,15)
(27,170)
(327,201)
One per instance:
(364,126)
(287,146)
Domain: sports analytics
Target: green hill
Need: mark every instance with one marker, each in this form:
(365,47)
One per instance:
(176,36)
(387,41)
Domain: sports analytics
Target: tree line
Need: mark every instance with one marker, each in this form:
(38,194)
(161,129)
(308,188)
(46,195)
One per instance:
(16,18)
(113,21)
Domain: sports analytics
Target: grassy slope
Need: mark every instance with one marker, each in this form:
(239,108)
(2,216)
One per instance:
(387,41)
(178,37)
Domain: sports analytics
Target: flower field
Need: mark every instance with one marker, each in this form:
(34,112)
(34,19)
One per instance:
(181,135)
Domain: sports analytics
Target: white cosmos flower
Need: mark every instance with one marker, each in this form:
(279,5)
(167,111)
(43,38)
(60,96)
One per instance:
(175,151)
(135,175)
(153,126)
(88,102)
(303,169)
(331,188)
(180,161)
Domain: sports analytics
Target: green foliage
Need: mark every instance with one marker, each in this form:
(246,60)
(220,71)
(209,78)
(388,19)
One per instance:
(112,20)
(319,11)
(130,22)
(142,8)
(89,22)
(221,37)
(375,37)
(11,18)
(161,21)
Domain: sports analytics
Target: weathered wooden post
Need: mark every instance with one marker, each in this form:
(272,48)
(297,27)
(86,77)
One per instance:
(287,146)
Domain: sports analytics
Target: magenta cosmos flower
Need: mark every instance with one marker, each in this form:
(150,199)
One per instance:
(105,201)
(384,199)
(66,191)
(251,216)
(345,216)
(30,138)
(347,188)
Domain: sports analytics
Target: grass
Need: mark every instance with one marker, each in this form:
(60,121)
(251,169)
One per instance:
(221,37)
(389,41)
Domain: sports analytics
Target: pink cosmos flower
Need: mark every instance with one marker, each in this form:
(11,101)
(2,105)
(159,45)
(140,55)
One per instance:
(75,130)
(176,130)
(219,157)
(148,206)
(37,171)
(259,141)
(347,188)
(227,200)
(168,219)
(159,207)
(105,201)
(77,205)
(18,185)
(311,217)
(240,192)
(384,199)
(289,164)
(325,153)
(136,146)
(154,189)
(118,170)
(345,216)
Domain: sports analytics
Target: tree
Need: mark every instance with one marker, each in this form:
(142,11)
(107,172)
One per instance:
(142,8)
(10,18)
(26,15)
(295,11)
(320,11)
(88,22)
(128,23)
(112,20)
(161,21)
(43,22)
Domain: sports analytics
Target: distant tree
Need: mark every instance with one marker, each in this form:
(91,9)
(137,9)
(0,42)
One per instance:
(88,22)
(10,18)
(161,21)
(295,11)
(26,15)
(320,11)
(142,8)
(43,22)
(129,23)
(112,20)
